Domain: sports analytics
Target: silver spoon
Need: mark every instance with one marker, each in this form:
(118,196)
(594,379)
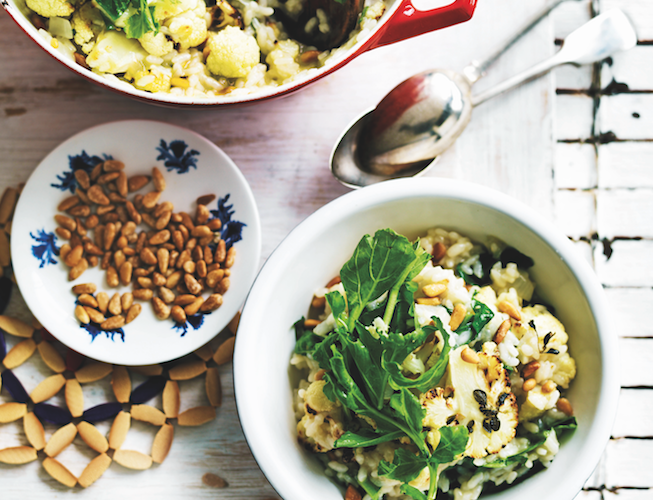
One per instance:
(425,114)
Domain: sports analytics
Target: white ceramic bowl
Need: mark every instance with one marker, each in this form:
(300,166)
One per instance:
(314,252)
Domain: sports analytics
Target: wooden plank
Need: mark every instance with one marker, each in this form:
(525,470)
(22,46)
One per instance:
(627,116)
(625,213)
(629,463)
(636,358)
(634,414)
(630,304)
(588,495)
(574,117)
(575,166)
(625,165)
(629,264)
(575,212)
(640,13)
(628,494)
(570,15)
(631,68)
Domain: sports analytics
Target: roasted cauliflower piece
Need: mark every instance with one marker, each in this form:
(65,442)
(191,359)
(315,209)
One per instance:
(51,8)
(115,53)
(232,53)
(322,424)
(156,43)
(480,399)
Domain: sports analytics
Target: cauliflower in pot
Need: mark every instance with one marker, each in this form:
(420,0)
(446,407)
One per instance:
(193,48)
(422,365)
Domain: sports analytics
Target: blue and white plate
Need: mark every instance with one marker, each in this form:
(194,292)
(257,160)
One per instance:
(192,167)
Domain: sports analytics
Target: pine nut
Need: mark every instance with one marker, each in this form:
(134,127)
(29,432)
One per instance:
(470,356)
(529,385)
(457,316)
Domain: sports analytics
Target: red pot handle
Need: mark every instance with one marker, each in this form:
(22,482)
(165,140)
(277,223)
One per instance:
(407,21)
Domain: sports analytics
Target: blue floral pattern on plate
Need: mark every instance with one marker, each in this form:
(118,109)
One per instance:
(81,161)
(140,144)
(175,156)
(194,321)
(46,249)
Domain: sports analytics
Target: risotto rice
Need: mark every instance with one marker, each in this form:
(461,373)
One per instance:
(195,49)
(504,368)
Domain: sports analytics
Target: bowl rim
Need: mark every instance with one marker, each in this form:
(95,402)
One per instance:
(361,46)
(394,190)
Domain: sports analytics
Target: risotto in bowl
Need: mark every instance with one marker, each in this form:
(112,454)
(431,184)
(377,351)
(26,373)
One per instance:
(424,338)
(208,52)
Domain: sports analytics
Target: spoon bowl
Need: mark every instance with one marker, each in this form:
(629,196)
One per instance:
(424,115)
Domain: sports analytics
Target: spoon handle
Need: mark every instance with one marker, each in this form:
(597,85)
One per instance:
(476,70)
(595,40)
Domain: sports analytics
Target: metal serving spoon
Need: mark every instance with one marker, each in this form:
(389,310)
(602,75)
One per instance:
(341,18)
(425,114)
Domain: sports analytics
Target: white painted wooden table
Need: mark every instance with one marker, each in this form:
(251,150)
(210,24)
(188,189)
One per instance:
(577,146)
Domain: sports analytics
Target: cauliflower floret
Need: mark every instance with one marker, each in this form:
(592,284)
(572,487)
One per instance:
(537,402)
(188,29)
(545,323)
(315,398)
(165,9)
(87,23)
(51,8)
(115,53)
(481,400)
(282,60)
(233,53)
(322,423)
(156,43)
(152,81)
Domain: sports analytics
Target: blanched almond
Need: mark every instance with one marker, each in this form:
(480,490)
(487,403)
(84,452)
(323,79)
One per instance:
(92,372)
(132,459)
(213,386)
(18,455)
(16,327)
(188,370)
(92,437)
(171,399)
(60,440)
(162,443)
(58,472)
(94,470)
(225,351)
(10,412)
(119,430)
(121,384)
(74,398)
(204,353)
(51,357)
(34,431)
(149,414)
(47,388)
(20,353)
(196,416)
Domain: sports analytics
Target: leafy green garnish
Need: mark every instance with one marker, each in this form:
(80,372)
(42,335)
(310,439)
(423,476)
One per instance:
(363,359)
(140,18)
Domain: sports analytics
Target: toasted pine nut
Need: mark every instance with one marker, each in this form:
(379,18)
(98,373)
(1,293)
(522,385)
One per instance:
(428,301)
(529,385)
(470,356)
(434,289)
(439,251)
(311,323)
(507,307)
(530,368)
(502,331)
(565,407)
(457,316)
(549,386)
